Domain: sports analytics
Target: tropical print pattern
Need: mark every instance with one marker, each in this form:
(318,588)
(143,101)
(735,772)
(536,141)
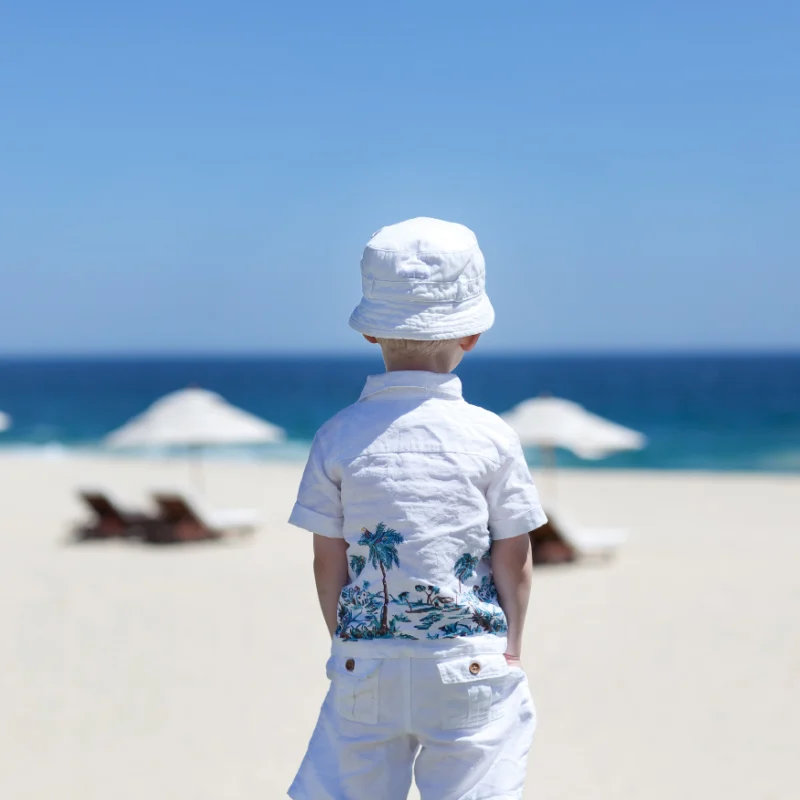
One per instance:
(372,611)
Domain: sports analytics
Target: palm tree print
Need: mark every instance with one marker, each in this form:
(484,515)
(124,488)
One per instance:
(357,564)
(486,591)
(465,568)
(382,554)
(430,592)
(405,597)
(437,611)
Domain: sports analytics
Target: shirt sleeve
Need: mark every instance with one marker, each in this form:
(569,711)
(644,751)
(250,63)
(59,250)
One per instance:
(319,500)
(514,506)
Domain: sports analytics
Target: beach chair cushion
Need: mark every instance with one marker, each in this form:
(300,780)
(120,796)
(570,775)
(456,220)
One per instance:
(177,505)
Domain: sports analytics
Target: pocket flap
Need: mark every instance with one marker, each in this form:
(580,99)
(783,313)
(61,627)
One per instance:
(473,668)
(352,666)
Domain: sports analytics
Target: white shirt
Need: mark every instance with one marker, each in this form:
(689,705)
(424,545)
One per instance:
(419,482)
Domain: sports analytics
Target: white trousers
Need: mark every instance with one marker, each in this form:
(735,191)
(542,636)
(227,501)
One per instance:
(463,726)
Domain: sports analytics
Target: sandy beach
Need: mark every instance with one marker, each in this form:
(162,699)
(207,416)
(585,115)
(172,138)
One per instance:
(135,672)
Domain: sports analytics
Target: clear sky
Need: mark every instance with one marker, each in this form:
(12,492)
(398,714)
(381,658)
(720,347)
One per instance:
(202,176)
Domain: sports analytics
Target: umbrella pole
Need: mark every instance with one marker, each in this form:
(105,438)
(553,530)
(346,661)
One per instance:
(197,476)
(550,472)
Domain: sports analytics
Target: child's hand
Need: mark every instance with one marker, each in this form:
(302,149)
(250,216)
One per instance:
(513,661)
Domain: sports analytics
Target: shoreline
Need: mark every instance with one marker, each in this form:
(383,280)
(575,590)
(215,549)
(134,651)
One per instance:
(59,452)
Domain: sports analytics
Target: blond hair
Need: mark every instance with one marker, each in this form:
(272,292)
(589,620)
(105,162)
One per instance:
(413,347)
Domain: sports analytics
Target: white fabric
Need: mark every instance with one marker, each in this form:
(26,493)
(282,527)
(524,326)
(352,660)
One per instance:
(423,279)
(590,541)
(465,735)
(224,519)
(5,421)
(595,541)
(193,417)
(413,466)
(553,422)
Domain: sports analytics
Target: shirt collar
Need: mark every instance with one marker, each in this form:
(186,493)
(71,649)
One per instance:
(446,385)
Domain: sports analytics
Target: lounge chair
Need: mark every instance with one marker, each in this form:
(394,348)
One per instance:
(182,518)
(110,518)
(548,546)
(589,542)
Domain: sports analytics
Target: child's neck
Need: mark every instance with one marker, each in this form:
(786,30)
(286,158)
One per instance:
(442,364)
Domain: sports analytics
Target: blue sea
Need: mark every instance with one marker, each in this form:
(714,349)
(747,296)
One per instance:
(698,412)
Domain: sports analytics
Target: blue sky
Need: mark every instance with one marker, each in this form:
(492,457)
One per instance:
(203,176)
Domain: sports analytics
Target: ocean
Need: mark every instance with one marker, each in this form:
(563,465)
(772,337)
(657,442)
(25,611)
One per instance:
(698,412)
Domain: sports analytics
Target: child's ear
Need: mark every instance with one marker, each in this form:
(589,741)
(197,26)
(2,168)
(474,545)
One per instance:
(468,342)
(370,339)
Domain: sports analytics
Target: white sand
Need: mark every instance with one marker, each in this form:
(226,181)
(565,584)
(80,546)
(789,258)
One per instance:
(140,673)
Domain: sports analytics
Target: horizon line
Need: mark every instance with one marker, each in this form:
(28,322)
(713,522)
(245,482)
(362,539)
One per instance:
(168,355)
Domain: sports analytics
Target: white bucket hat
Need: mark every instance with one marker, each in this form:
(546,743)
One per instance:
(423,279)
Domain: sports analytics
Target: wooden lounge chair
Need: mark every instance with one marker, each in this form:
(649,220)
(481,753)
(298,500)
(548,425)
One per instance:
(110,519)
(582,542)
(548,546)
(183,519)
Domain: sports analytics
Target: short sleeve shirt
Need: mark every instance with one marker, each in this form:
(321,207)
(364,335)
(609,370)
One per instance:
(419,483)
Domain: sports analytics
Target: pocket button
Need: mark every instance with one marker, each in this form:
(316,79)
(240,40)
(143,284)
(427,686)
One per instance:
(350,665)
(474,667)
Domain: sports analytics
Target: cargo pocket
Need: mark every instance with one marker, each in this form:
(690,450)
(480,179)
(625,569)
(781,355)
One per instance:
(355,683)
(472,690)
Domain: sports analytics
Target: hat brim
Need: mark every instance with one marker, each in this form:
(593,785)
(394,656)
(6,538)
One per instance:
(386,320)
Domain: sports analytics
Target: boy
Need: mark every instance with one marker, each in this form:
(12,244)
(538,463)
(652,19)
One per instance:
(420,505)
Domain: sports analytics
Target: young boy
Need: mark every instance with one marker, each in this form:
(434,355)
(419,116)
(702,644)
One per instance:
(420,505)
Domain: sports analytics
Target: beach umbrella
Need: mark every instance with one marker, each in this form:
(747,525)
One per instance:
(5,422)
(194,418)
(552,422)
